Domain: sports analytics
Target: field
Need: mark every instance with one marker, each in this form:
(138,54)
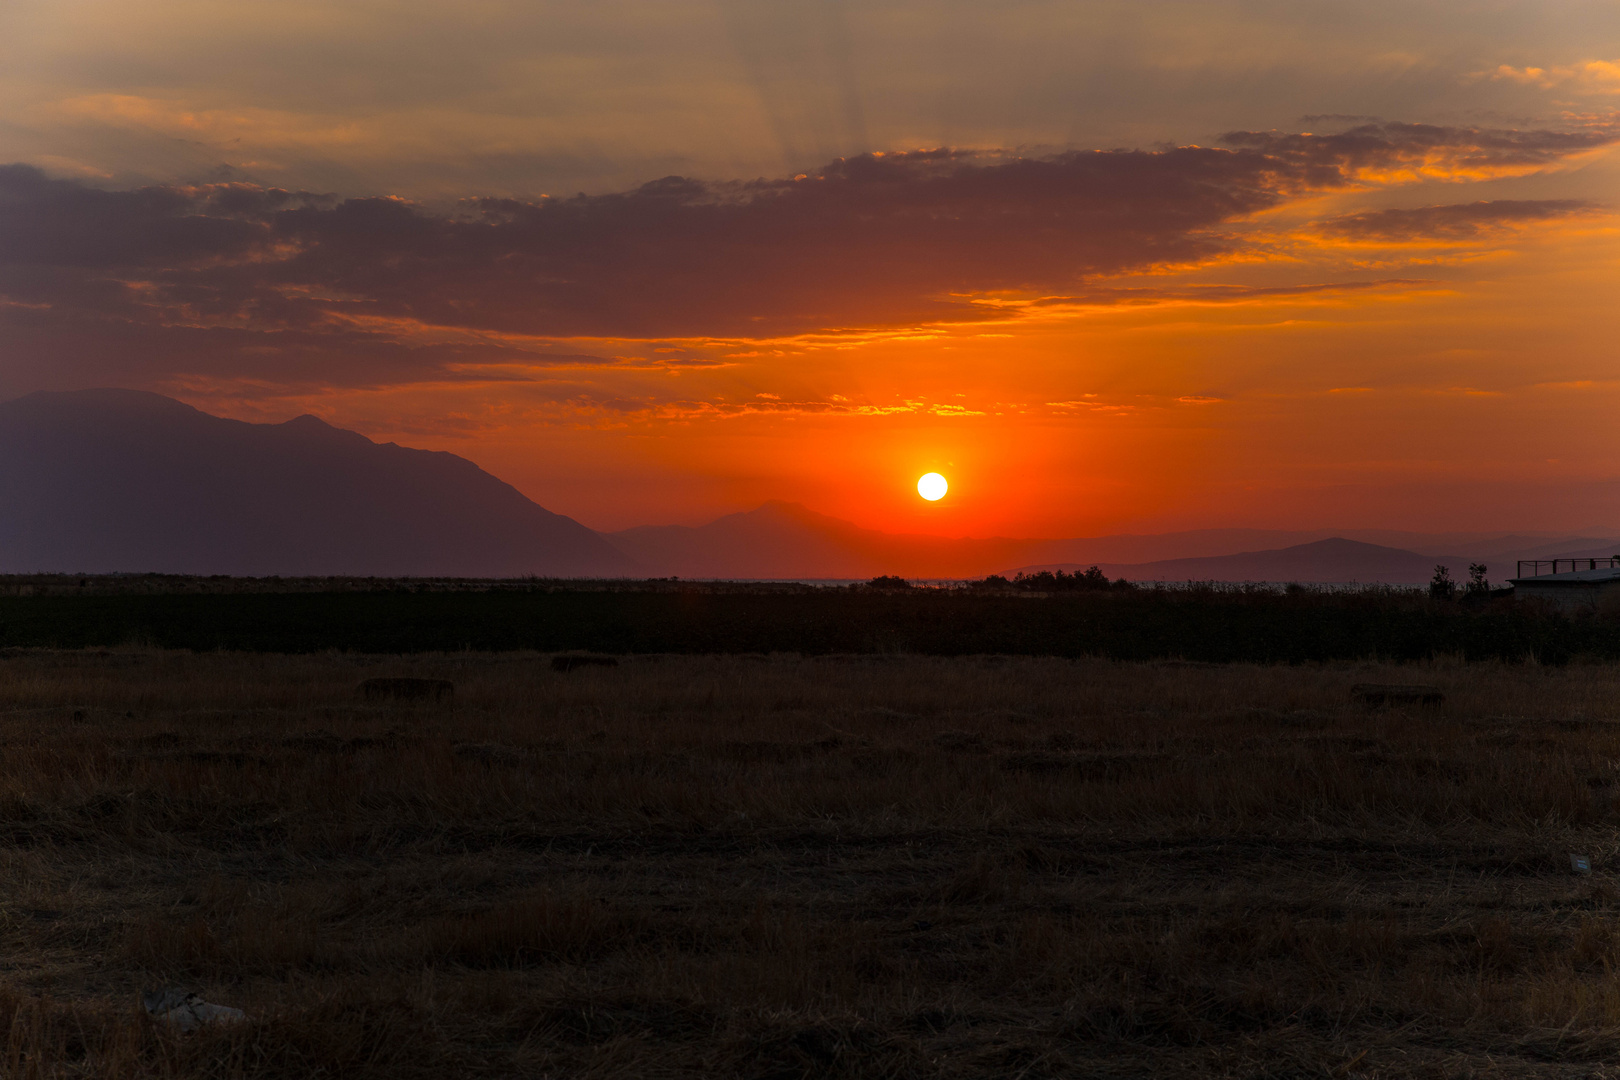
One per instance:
(1218,624)
(884,866)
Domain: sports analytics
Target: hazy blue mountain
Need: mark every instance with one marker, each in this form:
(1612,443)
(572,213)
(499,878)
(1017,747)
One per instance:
(121,480)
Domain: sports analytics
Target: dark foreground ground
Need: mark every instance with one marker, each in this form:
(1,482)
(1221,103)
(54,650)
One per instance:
(1213,623)
(785,867)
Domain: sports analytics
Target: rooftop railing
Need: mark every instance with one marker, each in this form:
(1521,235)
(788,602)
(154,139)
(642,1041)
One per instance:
(1538,567)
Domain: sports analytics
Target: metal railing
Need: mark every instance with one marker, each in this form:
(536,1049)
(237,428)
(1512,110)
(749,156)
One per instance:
(1565,566)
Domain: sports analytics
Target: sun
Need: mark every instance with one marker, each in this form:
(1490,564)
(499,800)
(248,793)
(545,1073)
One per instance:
(932,486)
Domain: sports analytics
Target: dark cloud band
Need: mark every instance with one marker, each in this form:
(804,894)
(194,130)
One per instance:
(237,278)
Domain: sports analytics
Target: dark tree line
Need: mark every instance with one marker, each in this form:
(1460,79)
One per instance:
(1442,587)
(1089,580)
(1042,581)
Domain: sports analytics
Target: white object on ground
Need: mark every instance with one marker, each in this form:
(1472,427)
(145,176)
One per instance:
(186,1011)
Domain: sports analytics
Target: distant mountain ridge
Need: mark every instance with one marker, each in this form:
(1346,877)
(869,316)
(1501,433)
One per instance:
(120,480)
(778,540)
(123,480)
(1332,560)
(786,540)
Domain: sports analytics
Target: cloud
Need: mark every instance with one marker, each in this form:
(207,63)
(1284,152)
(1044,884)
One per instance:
(1397,152)
(1339,118)
(835,405)
(1452,223)
(799,57)
(1207,295)
(272,284)
(1589,76)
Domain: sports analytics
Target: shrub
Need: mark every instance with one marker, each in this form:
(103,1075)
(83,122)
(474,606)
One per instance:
(1091,579)
(888,581)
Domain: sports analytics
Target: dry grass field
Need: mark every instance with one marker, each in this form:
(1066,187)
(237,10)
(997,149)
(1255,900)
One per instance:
(776,867)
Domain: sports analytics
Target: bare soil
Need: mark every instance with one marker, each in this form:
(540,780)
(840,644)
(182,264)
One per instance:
(878,866)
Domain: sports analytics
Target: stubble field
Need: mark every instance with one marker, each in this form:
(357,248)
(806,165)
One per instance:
(889,866)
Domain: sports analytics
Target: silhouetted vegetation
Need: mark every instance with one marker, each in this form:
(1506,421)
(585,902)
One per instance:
(1090,580)
(888,581)
(1441,587)
(1208,623)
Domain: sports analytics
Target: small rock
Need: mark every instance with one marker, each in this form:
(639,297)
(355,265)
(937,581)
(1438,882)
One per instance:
(186,1011)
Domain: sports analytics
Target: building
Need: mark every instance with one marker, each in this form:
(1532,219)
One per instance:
(1587,584)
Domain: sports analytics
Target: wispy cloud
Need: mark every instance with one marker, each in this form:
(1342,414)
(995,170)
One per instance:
(1591,76)
(1456,222)
(1396,152)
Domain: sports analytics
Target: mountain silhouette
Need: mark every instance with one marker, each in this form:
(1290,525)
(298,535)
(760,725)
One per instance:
(787,540)
(1335,559)
(123,480)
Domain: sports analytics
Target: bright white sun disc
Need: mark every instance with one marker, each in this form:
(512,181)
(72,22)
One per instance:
(932,487)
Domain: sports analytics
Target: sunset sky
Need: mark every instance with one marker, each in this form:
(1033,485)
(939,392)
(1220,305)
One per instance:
(1109,267)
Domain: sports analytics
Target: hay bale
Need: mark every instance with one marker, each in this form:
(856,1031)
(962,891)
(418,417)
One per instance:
(572,661)
(408,690)
(1373,694)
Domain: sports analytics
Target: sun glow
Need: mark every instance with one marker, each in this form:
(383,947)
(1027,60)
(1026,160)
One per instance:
(932,486)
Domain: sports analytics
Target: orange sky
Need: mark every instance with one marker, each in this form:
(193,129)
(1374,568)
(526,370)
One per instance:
(1405,319)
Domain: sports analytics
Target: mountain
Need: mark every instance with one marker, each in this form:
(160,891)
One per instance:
(109,480)
(1333,560)
(786,540)
(121,480)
